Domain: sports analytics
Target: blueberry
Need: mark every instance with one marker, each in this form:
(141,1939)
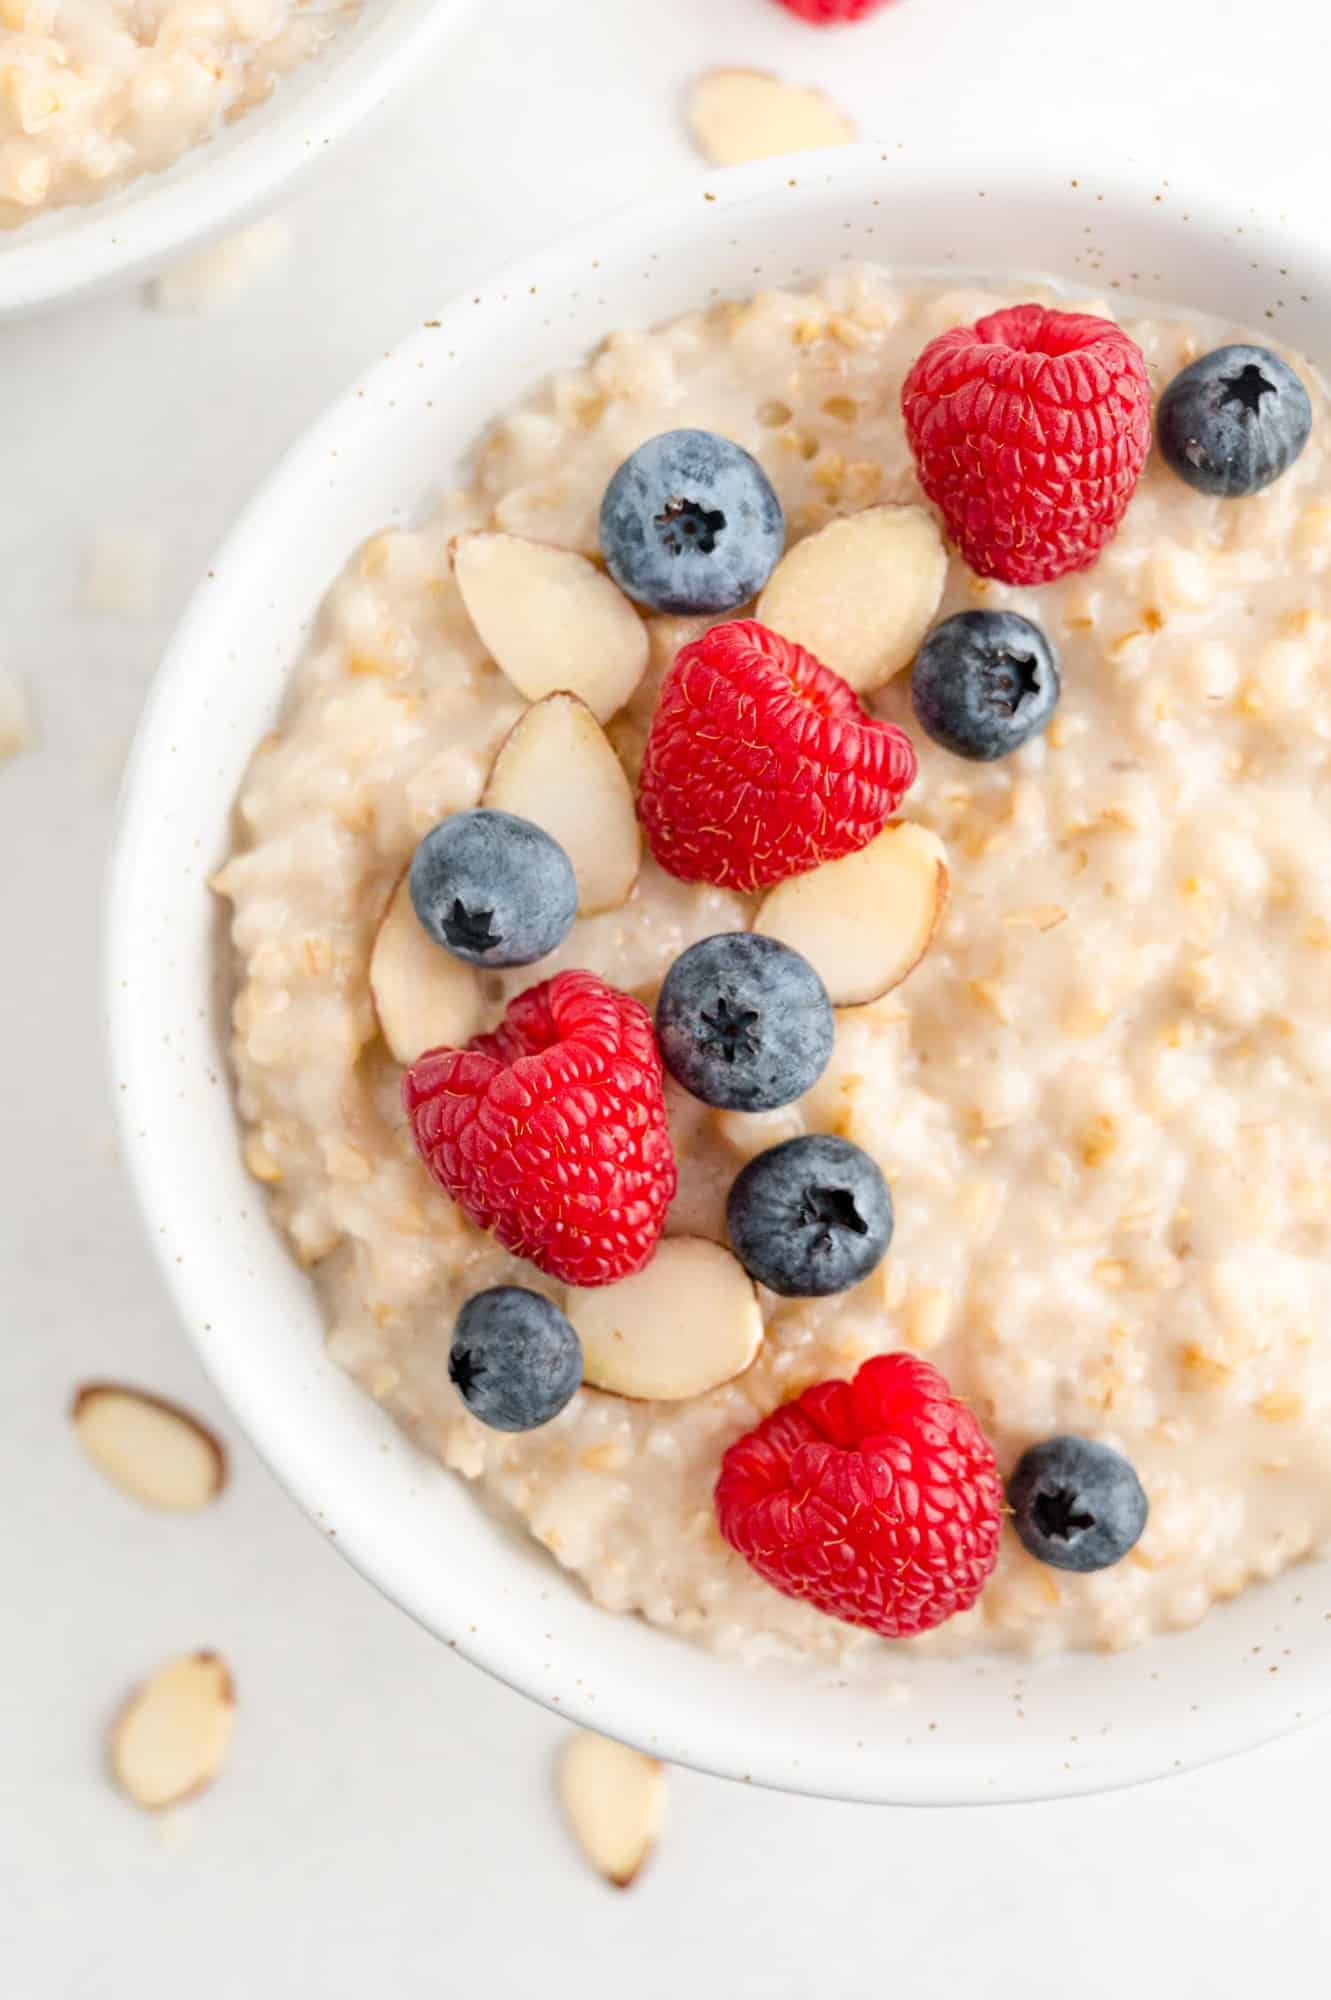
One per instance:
(515,1360)
(810,1217)
(493,888)
(1233,421)
(984,683)
(1076,1504)
(744,1022)
(690,523)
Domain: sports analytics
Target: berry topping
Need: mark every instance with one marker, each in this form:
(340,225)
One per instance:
(691,523)
(1233,421)
(985,682)
(762,763)
(1030,430)
(810,1217)
(552,1130)
(1076,1504)
(493,888)
(515,1360)
(877,1500)
(744,1022)
(831,13)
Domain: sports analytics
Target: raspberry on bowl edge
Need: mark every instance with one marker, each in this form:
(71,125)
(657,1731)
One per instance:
(1030,430)
(877,1500)
(832,13)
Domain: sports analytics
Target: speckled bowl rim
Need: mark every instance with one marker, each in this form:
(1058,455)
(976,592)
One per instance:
(982,1730)
(75,252)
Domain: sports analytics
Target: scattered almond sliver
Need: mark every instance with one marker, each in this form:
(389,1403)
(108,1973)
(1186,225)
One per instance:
(16,731)
(171,1738)
(151,1449)
(866,921)
(614,1801)
(745,114)
(424,997)
(687,1323)
(558,768)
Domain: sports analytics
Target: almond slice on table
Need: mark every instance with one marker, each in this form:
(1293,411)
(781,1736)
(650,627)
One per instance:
(861,593)
(558,768)
(424,997)
(867,920)
(551,620)
(686,1324)
(614,1802)
(171,1738)
(747,114)
(151,1449)
(16,730)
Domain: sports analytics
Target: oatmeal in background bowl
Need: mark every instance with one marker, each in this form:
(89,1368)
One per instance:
(1076,973)
(101,91)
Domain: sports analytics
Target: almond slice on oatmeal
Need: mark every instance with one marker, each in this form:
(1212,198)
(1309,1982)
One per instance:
(686,1324)
(614,1801)
(866,921)
(424,997)
(170,1740)
(550,620)
(150,1448)
(557,768)
(861,593)
(748,114)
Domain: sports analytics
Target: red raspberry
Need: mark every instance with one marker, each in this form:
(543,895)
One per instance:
(552,1131)
(878,1500)
(762,762)
(827,13)
(1030,430)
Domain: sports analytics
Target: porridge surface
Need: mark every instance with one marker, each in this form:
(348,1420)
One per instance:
(1101,1101)
(95,92)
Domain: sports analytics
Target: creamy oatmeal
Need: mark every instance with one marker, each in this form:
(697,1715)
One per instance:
(1101,1101)
(95,92)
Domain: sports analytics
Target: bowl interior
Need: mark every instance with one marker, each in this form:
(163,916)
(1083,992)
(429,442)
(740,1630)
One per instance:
(78,250)
(935,1732)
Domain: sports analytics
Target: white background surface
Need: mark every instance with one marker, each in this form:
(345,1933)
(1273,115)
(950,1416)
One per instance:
(386,1826)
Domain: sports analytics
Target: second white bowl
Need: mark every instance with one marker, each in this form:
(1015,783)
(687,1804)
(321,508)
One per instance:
(77,251)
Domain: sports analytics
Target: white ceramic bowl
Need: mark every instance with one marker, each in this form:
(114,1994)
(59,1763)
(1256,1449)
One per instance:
(76,251)
(983,1729)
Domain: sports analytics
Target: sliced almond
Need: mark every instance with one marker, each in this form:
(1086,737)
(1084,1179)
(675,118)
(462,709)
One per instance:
(745,114)
(16,731)
(686,1324)
(614,1802)
(866,921)
(551,620)
(424,997)
(861,593)
(151,1449)
(171,1738)
(557,767)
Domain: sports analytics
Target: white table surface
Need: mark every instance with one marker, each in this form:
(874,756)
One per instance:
(386,1825)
